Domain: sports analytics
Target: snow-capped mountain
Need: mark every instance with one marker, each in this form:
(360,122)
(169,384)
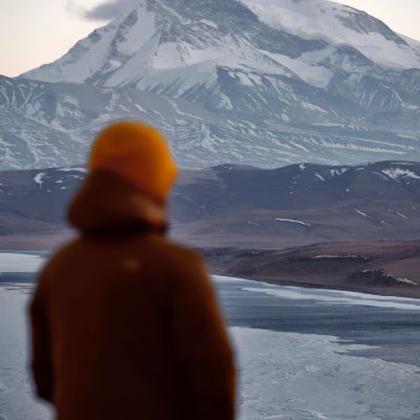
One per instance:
(268,36)
(262,82)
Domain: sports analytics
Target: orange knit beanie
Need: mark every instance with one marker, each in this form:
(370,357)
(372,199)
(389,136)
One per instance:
(139,153)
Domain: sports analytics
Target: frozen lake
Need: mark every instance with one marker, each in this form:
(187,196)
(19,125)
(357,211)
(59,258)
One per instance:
(303,353)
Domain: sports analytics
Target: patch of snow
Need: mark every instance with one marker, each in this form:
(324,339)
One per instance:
(361,213)
(319,176)
(209,23)
(317,76)
(335,256)
(224,279)
(167,56)
(181,79)
(390,276)
(338,172)
(406,281)
(285,117)
(361,148)
(244,79)
(403,163)
(39,178)
(225,102)
(403,216)
(299,222)
(397,173)
(140,108)
(312,107)
(83,170)
(256,79)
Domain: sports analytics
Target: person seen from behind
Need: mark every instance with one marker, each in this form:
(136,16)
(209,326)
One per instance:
(125,324)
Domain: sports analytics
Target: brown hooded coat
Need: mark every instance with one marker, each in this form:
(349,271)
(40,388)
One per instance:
(125,324)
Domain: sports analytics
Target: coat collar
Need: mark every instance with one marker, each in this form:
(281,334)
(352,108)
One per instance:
(107,202)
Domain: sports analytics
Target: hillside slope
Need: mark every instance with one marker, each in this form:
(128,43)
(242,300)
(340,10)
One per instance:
(247,207)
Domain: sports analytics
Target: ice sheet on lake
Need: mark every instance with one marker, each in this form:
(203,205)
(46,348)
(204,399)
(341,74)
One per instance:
(295,376)
(11,262)
(16,399)
(283,375)
(337,297)
(225,279)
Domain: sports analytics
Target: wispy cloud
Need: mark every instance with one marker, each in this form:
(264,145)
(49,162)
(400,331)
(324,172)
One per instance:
(104,11)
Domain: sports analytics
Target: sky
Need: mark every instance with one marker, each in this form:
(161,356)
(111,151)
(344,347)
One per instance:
(35,32)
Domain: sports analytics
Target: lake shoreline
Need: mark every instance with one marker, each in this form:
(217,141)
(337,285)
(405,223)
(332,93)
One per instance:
(31,278)
(398,293)
(312,267)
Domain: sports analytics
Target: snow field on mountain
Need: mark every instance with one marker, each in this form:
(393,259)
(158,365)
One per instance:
(339,24)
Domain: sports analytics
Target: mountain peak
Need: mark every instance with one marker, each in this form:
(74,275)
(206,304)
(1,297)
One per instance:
(157,34)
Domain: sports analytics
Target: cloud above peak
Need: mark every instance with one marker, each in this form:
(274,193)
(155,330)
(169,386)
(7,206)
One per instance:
(102,12)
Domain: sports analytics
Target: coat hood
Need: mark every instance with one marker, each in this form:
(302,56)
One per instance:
(106,202)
